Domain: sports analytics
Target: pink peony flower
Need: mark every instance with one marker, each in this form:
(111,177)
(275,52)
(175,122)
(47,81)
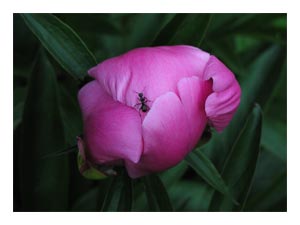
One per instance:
(147,109)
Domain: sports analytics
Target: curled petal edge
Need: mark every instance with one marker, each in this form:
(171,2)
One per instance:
(221,105)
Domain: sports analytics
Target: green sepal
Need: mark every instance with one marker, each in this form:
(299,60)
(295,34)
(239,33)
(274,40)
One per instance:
(88,171)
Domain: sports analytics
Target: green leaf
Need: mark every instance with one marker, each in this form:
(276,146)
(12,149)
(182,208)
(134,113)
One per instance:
(92,28)
(189,29)
(263,75)
(240,164)
(143,28)
(62,42)
(273,198)
(274,138)
(269,188)
(87,202)
(206,169)
(25,46)
(157,196)
(90,23)
(260,26)
(119,194)
(167,32)
(70,110)
(190,196)
(92,198)
(169,178)
(172,175)
(263,72)
(18,111)
(274,133)
(44,182)
(136,30)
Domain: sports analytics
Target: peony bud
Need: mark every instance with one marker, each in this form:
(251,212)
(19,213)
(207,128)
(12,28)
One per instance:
(148,108)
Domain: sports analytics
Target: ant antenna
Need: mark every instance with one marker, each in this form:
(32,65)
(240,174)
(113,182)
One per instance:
(140,91)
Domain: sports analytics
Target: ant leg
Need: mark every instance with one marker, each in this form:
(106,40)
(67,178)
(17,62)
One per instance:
(147,100)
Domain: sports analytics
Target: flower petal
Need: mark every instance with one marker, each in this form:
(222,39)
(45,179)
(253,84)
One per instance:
(221,105)
(193,94)
(152,71)
(166,137)
(112,131)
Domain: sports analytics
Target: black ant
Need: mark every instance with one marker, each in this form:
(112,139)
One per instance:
(143,100)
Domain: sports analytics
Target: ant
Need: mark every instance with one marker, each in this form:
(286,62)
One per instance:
(143,100)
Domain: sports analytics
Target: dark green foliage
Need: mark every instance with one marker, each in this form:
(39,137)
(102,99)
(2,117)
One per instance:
(181,30)
(42,178)
(205,168)
(157,196)
(62,42)
(119,194)
(240,164)
(243,168)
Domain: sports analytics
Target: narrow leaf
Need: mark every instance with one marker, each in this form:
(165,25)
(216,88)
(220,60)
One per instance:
(168,31)
(18,111)
(260,26)
(62,42)
(269,188)
(191,196)
(44,183)
(119,194)
(70,110)
(157,196)
(262,72)
(240,164)
(274,138)
(174,174)
(87,202)
(206,169)
(91,199)
(189,29)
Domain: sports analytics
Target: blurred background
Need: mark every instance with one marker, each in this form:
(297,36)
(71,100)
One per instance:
(249,157)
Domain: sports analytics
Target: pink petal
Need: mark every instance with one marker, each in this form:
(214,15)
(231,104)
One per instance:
(112,130)
(166,137)
(152,71)
(221,105)
(193,93)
